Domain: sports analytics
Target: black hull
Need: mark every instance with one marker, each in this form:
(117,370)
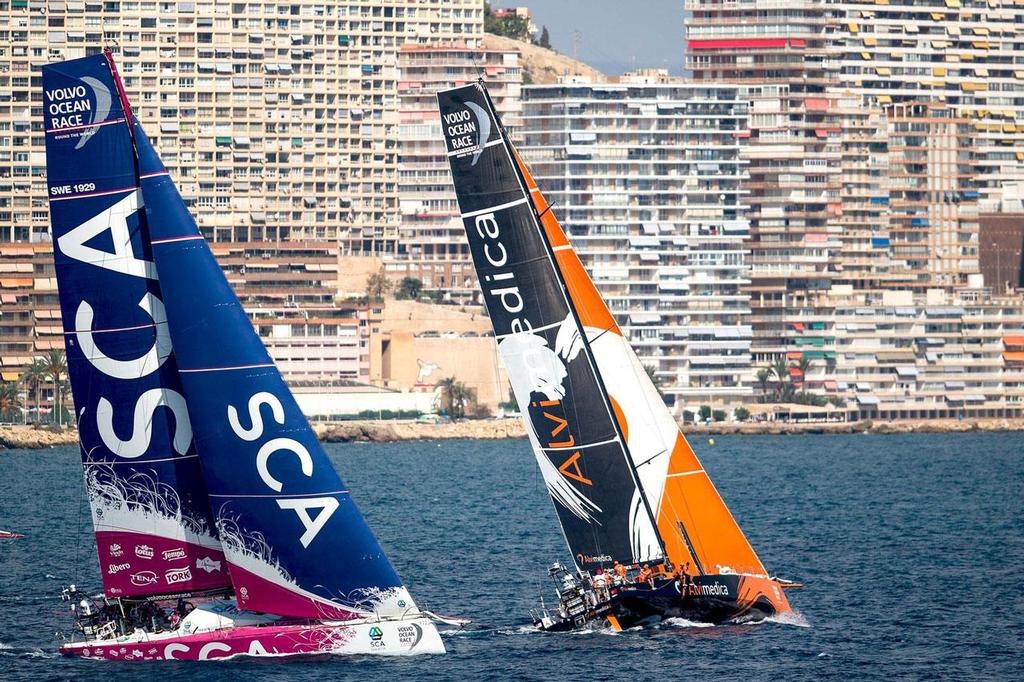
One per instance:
(707,599)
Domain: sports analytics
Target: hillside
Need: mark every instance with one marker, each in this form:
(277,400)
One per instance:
(543,66)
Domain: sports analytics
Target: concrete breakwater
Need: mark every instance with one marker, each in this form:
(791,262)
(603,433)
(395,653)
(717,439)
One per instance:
(29,437)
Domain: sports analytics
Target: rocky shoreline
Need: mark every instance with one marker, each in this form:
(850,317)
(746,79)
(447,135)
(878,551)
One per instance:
(34,438)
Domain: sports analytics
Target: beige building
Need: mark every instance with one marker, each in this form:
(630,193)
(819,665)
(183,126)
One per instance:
(965,53)
(277,119)
(646,176)
(415,345)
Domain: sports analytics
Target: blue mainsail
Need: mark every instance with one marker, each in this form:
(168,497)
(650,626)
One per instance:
(154,529)
(295,541)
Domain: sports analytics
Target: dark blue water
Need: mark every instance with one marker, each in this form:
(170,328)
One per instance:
(910,547)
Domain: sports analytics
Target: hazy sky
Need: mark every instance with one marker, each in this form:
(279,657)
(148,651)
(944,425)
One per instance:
(614,35)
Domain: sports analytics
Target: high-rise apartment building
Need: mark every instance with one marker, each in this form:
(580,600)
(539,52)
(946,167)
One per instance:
(645,174)
(777,53)
(933,196)
(278,120)
(964,53)
(432,245)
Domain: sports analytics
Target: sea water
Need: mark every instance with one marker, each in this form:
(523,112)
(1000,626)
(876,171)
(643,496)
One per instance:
(910,548)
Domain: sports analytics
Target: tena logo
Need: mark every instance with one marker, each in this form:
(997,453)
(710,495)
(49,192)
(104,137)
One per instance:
(465,133)
(71,107)
(143,578)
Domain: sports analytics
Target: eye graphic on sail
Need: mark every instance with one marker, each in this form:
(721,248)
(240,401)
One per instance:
(101,95)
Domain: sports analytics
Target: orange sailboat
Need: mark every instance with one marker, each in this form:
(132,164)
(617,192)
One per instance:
(626,486)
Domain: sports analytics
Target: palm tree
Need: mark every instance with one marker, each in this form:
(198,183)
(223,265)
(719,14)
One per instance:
(462,397)
(10,400)
(33,377)
(652,374)
(447,386)
(804,365)
(780,370)
(56,366)
(764,375)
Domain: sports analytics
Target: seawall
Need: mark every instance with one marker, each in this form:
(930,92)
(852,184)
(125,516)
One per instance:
(30,438)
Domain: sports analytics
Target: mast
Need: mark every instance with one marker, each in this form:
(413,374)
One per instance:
(572,307)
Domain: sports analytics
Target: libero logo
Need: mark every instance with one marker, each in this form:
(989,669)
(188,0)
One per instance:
(468,130)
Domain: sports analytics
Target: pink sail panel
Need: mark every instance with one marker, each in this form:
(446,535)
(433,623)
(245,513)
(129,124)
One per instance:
(134,564)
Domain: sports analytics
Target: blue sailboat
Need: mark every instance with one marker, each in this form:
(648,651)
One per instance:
(222,527)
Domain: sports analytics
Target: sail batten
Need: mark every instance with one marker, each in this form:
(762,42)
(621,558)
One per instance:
(154,530)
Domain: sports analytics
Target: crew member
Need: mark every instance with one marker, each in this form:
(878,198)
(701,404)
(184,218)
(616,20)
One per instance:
(601,585)
(646,576)
(621,576)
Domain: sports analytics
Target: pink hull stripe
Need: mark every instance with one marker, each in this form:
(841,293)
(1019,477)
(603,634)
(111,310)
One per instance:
(258,594)
(255,641)
(135,565)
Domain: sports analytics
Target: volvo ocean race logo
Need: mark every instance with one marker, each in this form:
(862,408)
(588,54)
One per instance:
(468,130)
(71,107)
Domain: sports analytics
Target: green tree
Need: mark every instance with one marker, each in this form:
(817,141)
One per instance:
(462,398)
(719,415)
(780,370)
(446,385)
(409,288)
(34,377)
(56,365)
(704,412)
(10,401)
(764,376)
(652,374)
(741,413)
(545,38)
(377,285)
(508,24)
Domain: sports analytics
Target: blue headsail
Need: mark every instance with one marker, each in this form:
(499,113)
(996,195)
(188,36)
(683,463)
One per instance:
(294,539)
(154,529)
